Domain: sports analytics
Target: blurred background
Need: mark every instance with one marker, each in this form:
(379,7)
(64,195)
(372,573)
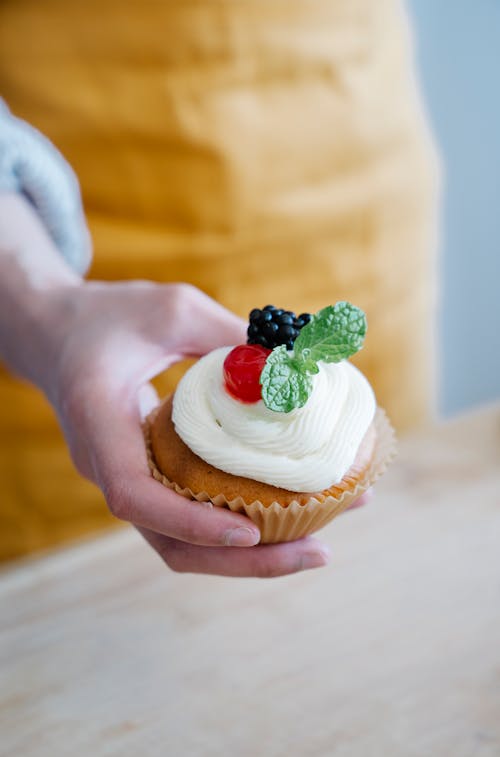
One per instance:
(458,57)
(197,184)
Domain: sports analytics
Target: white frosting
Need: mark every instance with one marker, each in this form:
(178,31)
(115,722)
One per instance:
(305,450)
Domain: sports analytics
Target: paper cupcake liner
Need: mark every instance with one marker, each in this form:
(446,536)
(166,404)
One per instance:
(279,523)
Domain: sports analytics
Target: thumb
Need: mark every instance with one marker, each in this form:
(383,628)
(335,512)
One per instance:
(198,323)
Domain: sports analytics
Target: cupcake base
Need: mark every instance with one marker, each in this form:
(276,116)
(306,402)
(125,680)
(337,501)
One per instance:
(280,515)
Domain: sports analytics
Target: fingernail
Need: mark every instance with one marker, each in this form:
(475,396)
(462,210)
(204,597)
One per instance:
(316,559)
(241,537)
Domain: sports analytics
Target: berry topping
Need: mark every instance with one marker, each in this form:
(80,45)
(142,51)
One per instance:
(242,369)
(273,326)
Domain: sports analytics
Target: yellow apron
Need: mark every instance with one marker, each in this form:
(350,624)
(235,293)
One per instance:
(263,150)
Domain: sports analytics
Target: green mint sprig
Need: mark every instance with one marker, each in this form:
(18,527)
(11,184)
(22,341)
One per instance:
(332,335)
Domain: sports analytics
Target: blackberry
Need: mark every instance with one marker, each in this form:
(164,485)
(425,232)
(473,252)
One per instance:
(270,326)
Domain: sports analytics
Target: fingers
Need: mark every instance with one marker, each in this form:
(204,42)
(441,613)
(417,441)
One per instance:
(121,470)
(264,561)
(141,500)
(195,323)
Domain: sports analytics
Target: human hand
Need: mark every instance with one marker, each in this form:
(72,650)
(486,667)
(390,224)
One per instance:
(92,348)
(111,340)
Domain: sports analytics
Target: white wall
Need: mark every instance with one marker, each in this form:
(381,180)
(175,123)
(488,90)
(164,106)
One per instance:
(458,51)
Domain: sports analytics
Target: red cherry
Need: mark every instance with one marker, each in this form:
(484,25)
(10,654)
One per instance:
(242,369)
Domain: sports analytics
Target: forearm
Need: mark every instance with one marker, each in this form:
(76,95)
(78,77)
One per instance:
(35,289)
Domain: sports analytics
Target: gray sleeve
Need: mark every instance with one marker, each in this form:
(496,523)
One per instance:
(30,164)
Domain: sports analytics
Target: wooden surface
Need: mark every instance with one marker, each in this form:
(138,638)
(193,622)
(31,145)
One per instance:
(394,649)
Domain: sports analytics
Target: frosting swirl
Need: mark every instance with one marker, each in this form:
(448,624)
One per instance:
(305,450)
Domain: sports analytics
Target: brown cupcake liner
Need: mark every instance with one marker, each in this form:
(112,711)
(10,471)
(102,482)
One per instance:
(278,523)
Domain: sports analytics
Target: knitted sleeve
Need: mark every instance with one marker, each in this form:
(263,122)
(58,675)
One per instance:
(30,164)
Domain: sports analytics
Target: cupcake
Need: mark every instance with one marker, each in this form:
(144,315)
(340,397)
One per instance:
(283,428)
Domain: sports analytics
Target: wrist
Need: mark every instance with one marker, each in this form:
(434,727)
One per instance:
(37,288)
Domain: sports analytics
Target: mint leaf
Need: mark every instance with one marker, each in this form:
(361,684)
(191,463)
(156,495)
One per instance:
(285,385)
(333,334)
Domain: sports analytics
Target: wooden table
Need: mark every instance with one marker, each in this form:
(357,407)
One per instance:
(394,649)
